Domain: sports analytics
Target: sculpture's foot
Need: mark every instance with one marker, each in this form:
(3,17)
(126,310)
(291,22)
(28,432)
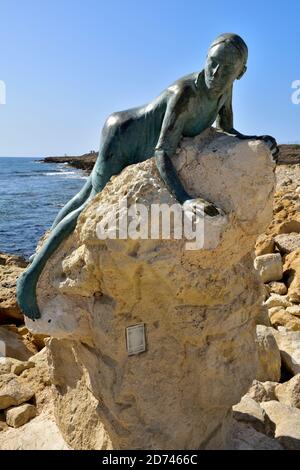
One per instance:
(201,207)
(210,222)
(26,295)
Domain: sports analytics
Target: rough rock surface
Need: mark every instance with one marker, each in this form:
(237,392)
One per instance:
(199,306)
(262,391)
(11,268)
(289,392)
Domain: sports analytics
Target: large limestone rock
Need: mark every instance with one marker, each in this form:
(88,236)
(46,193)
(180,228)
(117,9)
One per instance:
(198,306)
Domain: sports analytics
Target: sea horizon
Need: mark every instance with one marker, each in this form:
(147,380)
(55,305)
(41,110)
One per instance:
(31,195)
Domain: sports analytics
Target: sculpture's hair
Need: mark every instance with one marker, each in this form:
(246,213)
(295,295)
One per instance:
(236,41)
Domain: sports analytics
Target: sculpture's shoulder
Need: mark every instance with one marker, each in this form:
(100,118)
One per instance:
(184,84)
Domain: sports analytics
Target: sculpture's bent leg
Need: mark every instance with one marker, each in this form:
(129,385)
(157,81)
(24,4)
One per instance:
(74,203)
(26,284)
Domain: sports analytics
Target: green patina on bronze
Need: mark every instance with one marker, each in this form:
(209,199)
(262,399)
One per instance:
(185,109)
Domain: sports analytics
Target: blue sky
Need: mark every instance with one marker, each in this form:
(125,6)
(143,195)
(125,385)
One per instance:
(67,64)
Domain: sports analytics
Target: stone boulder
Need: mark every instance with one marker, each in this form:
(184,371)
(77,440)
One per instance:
(269,267)
(262,391)
(269,368)
(288,393)
(287,422)
(289,346)
(284,318)
(20,415)
(292,274)
(13,391)
(287,242)
(11,268)
(41,433)
(197,306)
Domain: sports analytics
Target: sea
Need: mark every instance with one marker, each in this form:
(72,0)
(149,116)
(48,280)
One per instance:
(31,195)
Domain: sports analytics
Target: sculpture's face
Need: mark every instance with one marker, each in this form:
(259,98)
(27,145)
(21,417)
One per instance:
(223,65)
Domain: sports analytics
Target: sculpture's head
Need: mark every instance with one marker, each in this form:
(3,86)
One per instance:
(225,62)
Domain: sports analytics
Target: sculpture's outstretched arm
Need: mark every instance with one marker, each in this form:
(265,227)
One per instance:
(166,146)
(225,123)
(168,141)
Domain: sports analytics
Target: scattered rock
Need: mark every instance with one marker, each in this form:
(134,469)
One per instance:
(262,391)
(292,275)
(294,310)
(269,363)
(289,346)
(269,267)
(278,287)
(291,226)
(41,433)
(288,242)
(8,364)
(249,412)
(20,415)
(283,318)
(13,391)
(264,245)
(38,379)
(288,393)
(287,421)
(276,300)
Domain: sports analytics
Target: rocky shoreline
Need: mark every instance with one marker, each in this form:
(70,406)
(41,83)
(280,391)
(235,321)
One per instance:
(289,154)
(82,162)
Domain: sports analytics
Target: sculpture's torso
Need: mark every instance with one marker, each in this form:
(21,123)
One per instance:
(132,135)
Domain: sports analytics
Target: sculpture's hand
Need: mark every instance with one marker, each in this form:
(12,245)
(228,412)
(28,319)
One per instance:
(200,207)
(272,144)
